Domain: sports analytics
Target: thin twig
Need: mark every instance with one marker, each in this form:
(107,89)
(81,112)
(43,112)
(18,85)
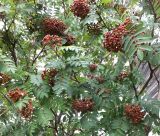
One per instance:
(152,8)
(158,82)
(64,8)
(148,80)
(133,85)
(34,60)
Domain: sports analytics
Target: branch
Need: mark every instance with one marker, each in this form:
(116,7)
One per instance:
(152,71)
(11,44)
(101,19)
(158,82)
(148,80)
(133,85)
(34,60)
(64,8)
(54,124)
(152,8)
(7,98)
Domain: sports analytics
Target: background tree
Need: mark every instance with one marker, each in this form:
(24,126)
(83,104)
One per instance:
(75,68)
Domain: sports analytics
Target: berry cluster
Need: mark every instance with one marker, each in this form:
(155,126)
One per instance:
(70,39)
(80,8)
(123,75)
(135,113)
(16,94)
(4,78)
(48,75)
(47,39)
(113,39)
(91,76)
(92,67)
(53,26)
(27,111)
(94,28)
(100,79)
(83,105)
(54,30)
(52,40)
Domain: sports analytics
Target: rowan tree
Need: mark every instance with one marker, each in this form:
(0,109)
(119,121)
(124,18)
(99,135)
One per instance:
(75,67)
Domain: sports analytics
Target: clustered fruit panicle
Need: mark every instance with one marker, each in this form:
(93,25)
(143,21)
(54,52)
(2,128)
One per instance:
(123,75)
(4,78)
(53,26)
(16,94)
(113,39)
(100,79)
(54,30)
(53,41)
(48,75)
(27,111)
(90,76)
(83,105)
(80,8)
(70,39)
(134,112)
(47,39)
(92,67)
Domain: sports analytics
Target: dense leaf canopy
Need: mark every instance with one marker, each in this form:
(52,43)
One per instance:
(74,67)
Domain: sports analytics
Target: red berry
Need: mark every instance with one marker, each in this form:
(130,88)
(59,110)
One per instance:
(49,75)
(113,39)
(123,75)
(70,40)
(47,39)
(4,78)
(56,41)
(53,26)
(91,76)
(80,8)
(16,94)
(134,112)
(52,40)
(100,79)
(83,105)
(93,67)
(27,111)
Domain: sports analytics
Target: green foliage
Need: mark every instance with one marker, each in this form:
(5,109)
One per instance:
(44,116)
(6,64)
